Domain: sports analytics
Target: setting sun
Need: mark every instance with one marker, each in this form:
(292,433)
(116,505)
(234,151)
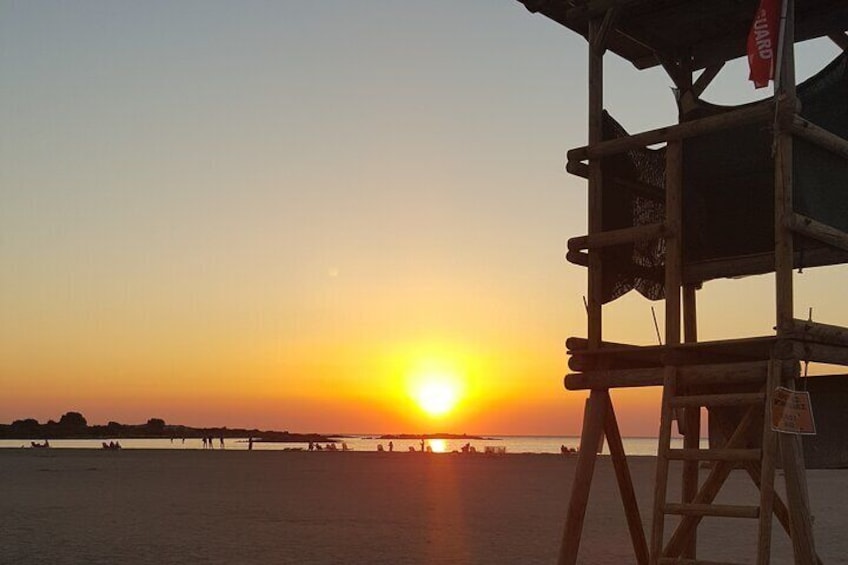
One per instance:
(436,397)
(434,384)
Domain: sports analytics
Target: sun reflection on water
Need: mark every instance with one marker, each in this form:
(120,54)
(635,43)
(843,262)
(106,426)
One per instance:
(438,445)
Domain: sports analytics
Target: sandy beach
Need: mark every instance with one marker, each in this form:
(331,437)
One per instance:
(151,507)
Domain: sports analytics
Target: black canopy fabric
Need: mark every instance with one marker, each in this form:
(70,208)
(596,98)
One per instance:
(728,189)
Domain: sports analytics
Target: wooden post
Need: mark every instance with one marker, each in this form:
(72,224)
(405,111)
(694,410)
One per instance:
(790,445)
(661,481)
(625,485)
(596,407)
(593,427)
(766,476)
(673,248)
(596,107)
(692,417)
(783,178)
(794,472)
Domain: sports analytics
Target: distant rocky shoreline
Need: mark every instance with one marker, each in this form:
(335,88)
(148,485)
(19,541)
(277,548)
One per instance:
(433,436)
(73,425)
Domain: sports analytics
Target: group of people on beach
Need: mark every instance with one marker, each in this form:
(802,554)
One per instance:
(315,446)
(391,447)
(113,445)
(209,442)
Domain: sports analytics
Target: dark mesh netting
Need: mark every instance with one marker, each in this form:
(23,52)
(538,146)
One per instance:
(728,189)
(633,195)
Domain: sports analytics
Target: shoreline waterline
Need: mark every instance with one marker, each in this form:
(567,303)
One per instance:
(359,443)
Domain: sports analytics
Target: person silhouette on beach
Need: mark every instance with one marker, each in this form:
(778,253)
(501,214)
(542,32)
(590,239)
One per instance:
(250,444)
(422,445)
(221,439)
(391,447)
(203,439)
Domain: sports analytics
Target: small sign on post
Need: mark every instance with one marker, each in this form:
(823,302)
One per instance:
(792,412)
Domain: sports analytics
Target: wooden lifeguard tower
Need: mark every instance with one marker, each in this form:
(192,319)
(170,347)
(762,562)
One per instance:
(734,191)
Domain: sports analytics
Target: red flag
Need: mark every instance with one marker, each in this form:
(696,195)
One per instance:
(763,42)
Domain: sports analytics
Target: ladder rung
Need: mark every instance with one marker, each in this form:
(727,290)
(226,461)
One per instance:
(723,510)
(735,399)
(715,454)
(682,561)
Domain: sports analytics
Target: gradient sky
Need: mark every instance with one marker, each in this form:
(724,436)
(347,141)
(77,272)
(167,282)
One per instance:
(280,214)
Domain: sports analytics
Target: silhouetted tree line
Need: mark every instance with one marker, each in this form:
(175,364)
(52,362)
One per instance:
(73,425)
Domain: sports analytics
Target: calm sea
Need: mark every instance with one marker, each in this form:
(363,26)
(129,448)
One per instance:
(511,444)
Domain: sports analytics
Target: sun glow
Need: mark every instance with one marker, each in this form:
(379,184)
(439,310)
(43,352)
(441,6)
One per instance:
(437,396)
(435,387)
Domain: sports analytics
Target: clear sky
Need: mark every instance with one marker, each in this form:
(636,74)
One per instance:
(294,215)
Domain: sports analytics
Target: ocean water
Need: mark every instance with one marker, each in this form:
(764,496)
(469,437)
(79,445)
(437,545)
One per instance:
(509,444)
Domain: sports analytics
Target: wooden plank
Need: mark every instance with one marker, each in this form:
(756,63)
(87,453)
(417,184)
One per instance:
(679,561)
(806,330)
(661,479)
(751,372)
(721,510)
(625,486)
(688,524)
(728,399)
(715,454)
(642,189)
(609,238)
(795,479)
(686,354)
(590,361)
(593,9)
(577,258)
(689,487)
(759,263)
(712,124)
(723,374)
(581,344)
(781,512)
(797,499)
(706,78)
(603,380)
(818,231)
(593,426)
(822,353)
(708,491)
(690,314)
(607,26)
(758,347)
(819,136)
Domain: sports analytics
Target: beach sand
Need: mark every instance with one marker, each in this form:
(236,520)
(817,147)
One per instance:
(151,507)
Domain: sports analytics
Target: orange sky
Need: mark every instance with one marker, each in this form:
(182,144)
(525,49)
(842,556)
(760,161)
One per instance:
(287,215)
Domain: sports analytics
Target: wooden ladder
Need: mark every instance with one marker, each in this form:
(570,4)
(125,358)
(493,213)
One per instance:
(758,462)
